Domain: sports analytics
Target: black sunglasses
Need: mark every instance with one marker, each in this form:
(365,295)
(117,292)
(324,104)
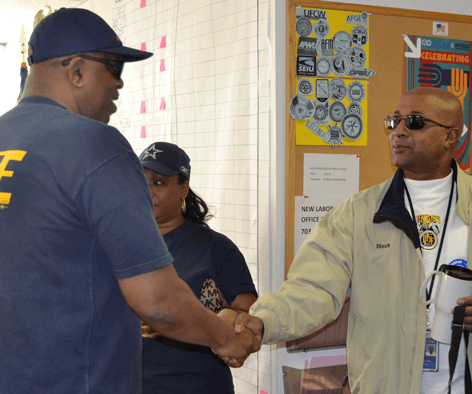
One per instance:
(115,66)
(412,122)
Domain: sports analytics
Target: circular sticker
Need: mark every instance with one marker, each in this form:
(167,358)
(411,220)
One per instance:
(321,114)
(428,240)
(323,67)
(356,92)
(354,108)
(352,126)
(357,57)
(337,89)
(321,28)
(341,64)
(337,111)
(342,41)
(334,135)
(306,87)
(359,35)
(301,107)
(303,27)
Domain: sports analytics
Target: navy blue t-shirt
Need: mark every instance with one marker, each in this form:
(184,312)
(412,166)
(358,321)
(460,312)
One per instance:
(214,268)
(75,216)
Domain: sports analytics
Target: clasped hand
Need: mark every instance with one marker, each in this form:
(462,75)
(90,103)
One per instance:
(247,339)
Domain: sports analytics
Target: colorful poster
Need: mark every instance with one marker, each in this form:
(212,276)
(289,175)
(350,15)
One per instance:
(332,69)
(446,64)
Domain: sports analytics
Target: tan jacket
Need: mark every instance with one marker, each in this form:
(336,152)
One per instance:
(370,244)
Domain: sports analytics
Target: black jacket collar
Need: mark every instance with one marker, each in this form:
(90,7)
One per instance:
(393,209)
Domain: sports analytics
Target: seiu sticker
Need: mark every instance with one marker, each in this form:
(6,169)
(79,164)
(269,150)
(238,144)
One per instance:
(306,66)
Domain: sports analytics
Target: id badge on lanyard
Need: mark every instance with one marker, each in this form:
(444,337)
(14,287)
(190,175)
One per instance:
(431,351)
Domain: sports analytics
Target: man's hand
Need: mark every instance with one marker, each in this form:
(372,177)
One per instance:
(468,312)
(148,331)
(252,323)
(245,338)
(228,316)
(235,352)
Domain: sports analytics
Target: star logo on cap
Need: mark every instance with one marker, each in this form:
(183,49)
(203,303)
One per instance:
(152,151)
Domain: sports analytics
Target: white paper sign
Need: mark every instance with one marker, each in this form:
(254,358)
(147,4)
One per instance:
(308,213)
(330,175)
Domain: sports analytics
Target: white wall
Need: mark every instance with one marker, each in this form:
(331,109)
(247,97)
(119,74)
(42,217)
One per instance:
(14,13)
(278,128)
(10,57)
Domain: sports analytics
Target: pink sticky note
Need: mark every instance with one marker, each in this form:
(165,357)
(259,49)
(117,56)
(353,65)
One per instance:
(143,107)
(143,131)
(263,392)
(163,64)
(163,103)
(143,46)
(143,3)
(163,42)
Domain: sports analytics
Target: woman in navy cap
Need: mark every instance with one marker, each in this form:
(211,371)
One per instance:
(209,262)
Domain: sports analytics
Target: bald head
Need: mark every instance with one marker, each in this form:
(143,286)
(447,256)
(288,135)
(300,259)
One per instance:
(445,104)
(426,152)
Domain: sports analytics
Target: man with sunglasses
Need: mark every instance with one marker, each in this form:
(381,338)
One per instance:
(79,247)
(380,244)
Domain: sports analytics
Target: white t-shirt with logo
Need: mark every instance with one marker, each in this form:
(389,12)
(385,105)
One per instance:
(430,200)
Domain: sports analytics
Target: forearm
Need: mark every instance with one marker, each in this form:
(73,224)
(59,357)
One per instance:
(181,316)
(243,302)
(168,305)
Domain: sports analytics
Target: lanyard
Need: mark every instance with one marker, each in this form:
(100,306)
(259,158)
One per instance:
(443,235)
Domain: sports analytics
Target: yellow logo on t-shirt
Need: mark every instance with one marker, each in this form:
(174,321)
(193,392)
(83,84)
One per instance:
(8,155)
(428,229)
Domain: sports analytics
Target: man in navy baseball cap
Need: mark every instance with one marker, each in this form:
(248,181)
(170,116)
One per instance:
(74,30)
(76,60)
(80,248)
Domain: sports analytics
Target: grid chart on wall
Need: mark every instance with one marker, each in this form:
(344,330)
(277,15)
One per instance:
(207,89)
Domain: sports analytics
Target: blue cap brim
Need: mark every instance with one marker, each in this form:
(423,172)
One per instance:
(158,168)
(128,54)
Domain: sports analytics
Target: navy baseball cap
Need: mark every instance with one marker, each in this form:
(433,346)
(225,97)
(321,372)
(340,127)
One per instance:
(69,31)
(166,159)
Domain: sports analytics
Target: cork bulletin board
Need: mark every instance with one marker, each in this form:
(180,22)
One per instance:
(394,74)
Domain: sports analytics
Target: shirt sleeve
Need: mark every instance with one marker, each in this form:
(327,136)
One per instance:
(234,275)
(317,282)
(117,206)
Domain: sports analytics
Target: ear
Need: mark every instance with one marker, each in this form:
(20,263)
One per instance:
(184,191)
(76,71)
(452,138)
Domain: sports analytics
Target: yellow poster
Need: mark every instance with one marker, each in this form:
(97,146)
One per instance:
(332,72)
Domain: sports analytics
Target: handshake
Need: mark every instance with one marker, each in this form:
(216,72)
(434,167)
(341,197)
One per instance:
(237,344)
(247,338)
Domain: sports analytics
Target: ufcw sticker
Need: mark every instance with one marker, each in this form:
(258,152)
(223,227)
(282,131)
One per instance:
(8,155)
